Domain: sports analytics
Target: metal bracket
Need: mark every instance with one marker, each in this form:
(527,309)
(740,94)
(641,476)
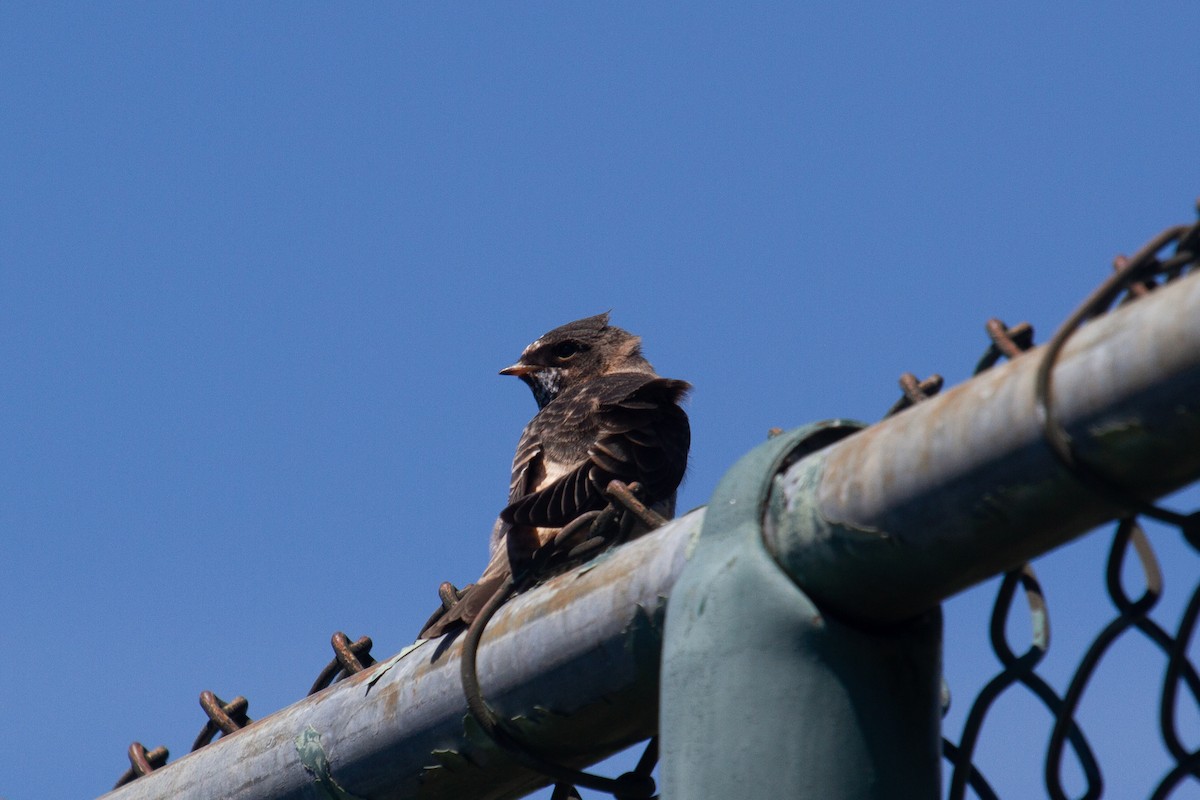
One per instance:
(764,694)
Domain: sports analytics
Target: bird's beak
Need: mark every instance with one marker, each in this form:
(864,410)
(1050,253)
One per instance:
(520,369)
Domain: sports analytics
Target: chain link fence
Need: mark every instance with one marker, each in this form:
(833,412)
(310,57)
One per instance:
(1133,278)
(1167,257)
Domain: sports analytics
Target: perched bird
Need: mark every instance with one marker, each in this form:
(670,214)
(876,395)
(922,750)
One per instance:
(603,414)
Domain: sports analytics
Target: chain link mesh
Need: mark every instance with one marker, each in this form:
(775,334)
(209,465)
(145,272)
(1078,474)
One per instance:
(1133,278)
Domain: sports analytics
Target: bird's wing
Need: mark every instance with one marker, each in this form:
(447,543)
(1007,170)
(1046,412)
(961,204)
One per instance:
(526,464)
(642,435)
(507,542)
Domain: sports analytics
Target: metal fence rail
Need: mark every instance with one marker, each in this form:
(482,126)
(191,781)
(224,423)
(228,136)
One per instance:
(804,625)
(804,633)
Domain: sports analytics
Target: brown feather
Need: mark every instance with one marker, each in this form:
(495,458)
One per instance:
(603,415)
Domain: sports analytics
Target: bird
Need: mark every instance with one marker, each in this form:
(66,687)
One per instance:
(603,414)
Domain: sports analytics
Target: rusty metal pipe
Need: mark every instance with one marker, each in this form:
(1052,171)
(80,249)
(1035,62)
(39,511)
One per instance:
(880,526)
(803,647)
(887,523)
(575,661)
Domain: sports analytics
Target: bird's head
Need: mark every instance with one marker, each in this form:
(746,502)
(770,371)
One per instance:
(576,352)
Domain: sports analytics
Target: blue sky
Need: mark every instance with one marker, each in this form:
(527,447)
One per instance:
(259,266)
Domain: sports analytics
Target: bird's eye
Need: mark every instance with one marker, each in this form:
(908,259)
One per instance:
(567,349)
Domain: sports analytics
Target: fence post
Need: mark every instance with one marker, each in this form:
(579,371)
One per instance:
(766,695)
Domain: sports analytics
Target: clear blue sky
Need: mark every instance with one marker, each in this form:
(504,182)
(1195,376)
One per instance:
(259,265)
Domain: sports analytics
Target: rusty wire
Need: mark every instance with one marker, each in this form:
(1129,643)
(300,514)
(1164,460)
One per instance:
(915,391)
(1134,277)
(1006,343)
(142,762)
(1144,269)
(580,539)
(225,718)
(349,658)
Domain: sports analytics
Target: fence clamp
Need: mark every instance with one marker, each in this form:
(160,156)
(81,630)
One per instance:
(766,695)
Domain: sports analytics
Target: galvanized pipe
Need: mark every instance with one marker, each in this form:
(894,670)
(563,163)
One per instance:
(879,527)
(803,647)
(574,661)
(766,695)
(906,513)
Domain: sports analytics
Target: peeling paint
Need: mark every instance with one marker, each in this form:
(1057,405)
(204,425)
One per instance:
(430,776)
(451,760)
(589,566)
(312,756)
(1117,427)
(528,724)
(475,735)
(861,531)
(383,668)
(566,641)
(690,547)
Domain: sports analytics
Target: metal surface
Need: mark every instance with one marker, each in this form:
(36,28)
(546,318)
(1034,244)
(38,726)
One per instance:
(963,486)
(605,527)
(803,654)
(1136,276)
(349,658)
(223,718)
(877,528)
(764,694)
(573,664)
(142,762)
